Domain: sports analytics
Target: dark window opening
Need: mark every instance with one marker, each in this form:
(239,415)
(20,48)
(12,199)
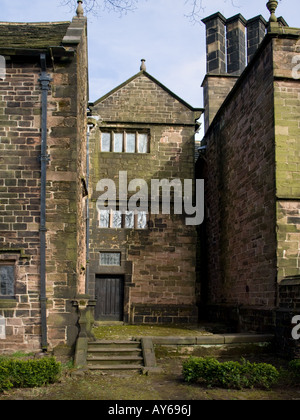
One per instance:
(7,281)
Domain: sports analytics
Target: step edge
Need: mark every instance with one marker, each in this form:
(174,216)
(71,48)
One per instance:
(90,359)
(115,367)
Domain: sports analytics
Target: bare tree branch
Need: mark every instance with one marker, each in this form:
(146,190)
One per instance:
(121,6)
(93,6)
(196,7)
(196,10)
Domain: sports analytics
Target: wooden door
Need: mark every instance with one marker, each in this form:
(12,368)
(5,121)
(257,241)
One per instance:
(110,297)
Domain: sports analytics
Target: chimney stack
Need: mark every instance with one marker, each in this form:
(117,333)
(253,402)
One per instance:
(236,44)
(230,46)
(215,43)
(256,30)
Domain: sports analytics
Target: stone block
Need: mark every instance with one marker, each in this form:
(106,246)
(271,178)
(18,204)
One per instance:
(174,340)
(214,339)
(247,338)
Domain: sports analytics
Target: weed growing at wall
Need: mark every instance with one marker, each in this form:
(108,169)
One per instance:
(231,375)
(28,373)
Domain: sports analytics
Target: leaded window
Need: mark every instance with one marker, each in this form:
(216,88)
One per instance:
(7,280)
(110,258)
(127,141)
(114,219)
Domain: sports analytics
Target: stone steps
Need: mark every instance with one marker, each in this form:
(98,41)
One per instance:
(114,359)
(115,367)
(138,354)
(115,355)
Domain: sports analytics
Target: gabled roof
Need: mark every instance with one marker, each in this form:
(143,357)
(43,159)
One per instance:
(143,72)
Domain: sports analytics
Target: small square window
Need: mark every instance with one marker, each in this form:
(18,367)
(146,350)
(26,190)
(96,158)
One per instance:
(104,218)
(110,258)
(143,143)
(142,220)
(118,142)
(116,219)
(7,280)
(130,143)
(106,142)
(129,220)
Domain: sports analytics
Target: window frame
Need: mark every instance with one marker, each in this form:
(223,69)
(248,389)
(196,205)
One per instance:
(125,132)
(123,220)
(110,265)
(9,263)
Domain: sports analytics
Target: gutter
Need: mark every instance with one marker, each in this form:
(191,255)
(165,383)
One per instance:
(44,158)
(91,123)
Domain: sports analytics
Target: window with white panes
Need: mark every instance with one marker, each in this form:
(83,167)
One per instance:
(110,258)
(115,219)
(125,141)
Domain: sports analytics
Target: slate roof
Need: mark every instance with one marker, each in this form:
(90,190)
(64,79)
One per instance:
(32,35)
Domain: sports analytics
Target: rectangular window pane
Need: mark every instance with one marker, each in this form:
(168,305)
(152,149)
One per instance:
(143,143)
(130,143)
(104,218)
(117,219)
(118,142)
(129,220)
(7,280)
(142,220)
(105,142)
(110,258)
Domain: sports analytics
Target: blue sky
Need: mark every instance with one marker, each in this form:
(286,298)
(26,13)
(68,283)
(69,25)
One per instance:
(158,31)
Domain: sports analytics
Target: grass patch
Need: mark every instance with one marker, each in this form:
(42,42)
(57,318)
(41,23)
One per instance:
(124,332)
(16,355)
(169,385)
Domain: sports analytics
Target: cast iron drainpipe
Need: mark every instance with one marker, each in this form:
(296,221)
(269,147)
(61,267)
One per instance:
(87,272)
(44,158)
(90,126)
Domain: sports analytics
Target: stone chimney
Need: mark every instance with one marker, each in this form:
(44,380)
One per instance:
(217,82)
(236,44)
(256,30)
(215,43)
(230,45)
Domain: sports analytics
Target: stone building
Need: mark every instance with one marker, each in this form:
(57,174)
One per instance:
(251,169)
(43,104)
(62,251)
(142,265)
